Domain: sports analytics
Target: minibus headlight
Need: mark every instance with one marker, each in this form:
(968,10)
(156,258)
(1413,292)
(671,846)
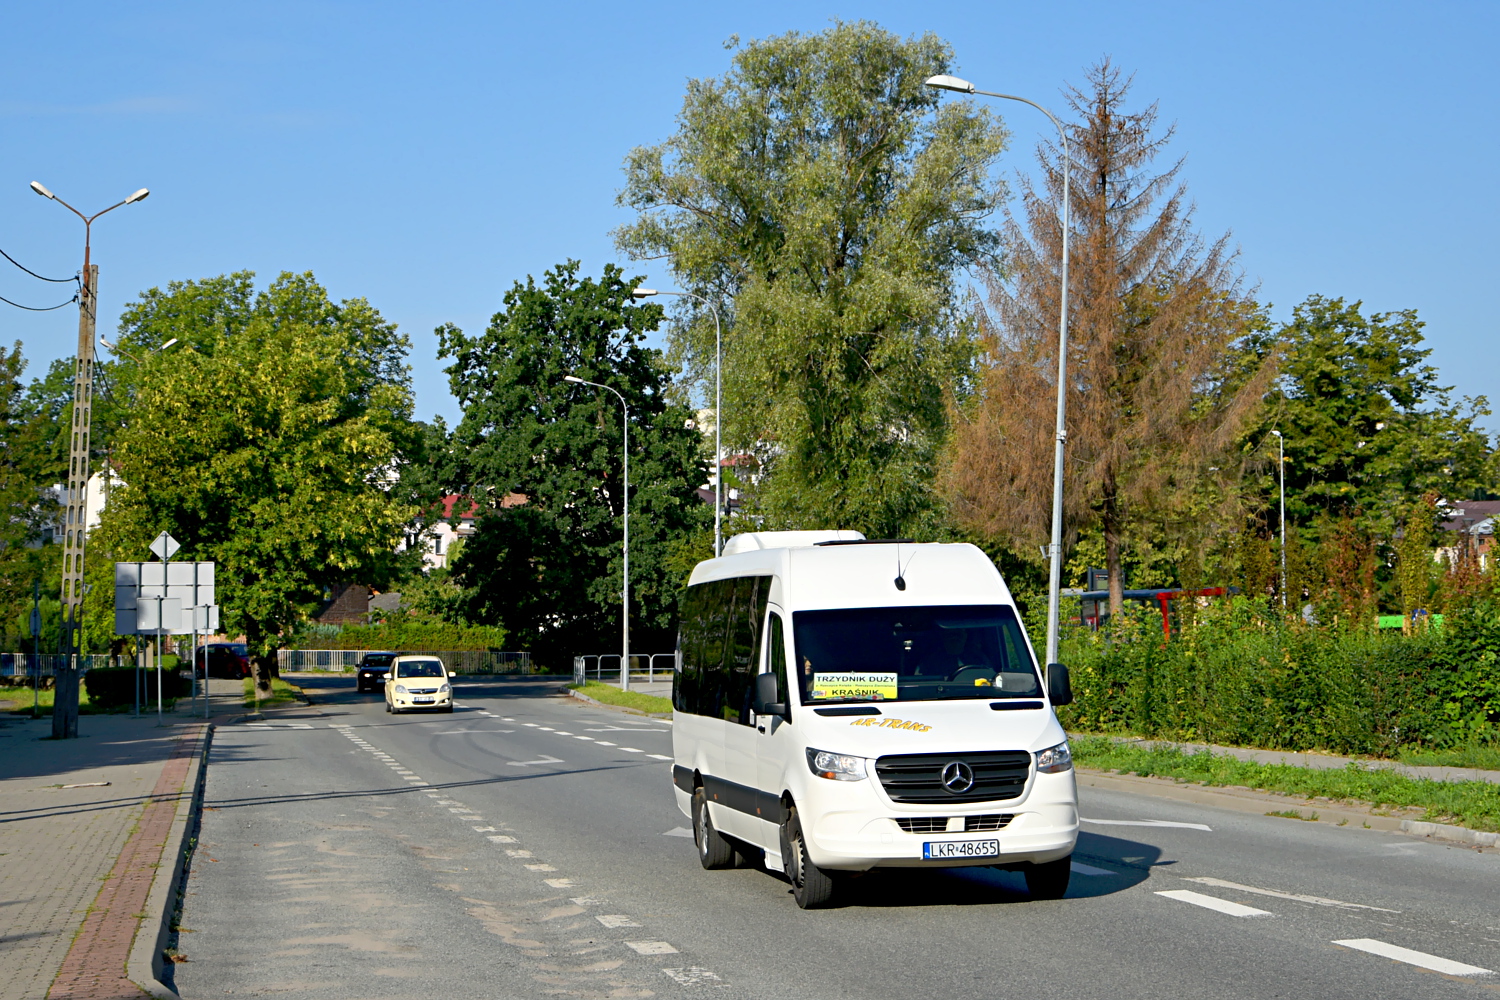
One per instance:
(400,689)
(836,766)
(1054,759)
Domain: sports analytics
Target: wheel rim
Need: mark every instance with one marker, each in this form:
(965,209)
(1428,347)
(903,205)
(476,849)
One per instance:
(794,863)
(700,827)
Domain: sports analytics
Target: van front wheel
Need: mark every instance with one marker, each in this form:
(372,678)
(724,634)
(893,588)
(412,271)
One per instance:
(812,887)
(714,851)
(1050,879)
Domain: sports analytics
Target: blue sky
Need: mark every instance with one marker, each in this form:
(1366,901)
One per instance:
(426,156)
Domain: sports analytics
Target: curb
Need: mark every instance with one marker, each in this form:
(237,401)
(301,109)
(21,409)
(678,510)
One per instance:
(617,708)
(144,966)
(1250,801)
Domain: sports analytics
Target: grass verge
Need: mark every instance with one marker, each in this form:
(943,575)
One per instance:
(1486,758)
(281,693)
(1474,804)
(19,699)
(611,695)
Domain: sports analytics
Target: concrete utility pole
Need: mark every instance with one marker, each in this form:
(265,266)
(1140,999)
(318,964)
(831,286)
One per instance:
(75,526)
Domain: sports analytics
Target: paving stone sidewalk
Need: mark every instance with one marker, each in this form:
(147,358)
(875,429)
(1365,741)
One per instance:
(76,863)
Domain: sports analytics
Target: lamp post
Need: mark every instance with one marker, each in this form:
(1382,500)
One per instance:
(1281,469)
(75,528)
(625,515)
(1054,581)
(642,293)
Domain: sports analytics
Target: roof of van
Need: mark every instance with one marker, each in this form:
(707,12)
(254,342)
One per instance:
(853,576)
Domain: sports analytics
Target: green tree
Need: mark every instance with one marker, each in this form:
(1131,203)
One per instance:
(822,198)
(26,506)
(267,445)
(1368,428)
(549,569)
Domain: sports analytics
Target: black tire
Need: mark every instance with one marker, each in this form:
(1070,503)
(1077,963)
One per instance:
(812,887)
(449,709)
(714,852)
(1049,880)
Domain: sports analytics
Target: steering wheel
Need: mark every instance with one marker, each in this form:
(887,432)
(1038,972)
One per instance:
(971,673)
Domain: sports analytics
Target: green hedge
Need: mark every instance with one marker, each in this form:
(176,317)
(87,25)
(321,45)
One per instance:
(404,635)
(113,687)
(1242,674)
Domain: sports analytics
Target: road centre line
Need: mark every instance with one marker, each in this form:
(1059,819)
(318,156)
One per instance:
(1213,903)
(657,756)
(1315,900)
(1420,959)
(632,750)
(602,743)
(651,947)
(1165,824)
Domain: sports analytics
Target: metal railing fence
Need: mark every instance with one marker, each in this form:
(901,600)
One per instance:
(655,663)
(457,661)
(28,665)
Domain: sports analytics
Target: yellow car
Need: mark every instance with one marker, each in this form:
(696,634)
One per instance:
(418,682)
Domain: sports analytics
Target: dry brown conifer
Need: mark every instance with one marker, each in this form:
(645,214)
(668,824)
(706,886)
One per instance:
(1156,395)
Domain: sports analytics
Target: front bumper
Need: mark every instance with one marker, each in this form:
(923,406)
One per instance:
(410,701)
(854,827)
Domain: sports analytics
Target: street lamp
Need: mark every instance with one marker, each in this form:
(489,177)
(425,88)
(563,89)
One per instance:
(117,350)
(1281,468)
(65,704)
(1054,583)
(642,293)
(625,512)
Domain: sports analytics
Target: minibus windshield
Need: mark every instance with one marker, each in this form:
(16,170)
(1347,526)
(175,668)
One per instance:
(913,654)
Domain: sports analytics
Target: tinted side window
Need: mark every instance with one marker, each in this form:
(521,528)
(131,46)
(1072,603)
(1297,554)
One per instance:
(718,640)
(776,657)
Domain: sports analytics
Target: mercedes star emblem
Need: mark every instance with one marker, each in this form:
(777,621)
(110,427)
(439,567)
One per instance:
(958,777)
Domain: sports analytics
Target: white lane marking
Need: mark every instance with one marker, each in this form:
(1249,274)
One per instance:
(631,750)
(1420,959)
(447,802)
(1078,867)
(560,883)
(456,732)
(418,784)
(651,947)
(519,854)
(589,738)
(484,829)
(693,976)
(499,838)
(657,756)
(546,729)
(559,732)
(504,719)
(682,831)
(533,725)
(604,743)
(525,763)
(540,868)
(1315,900)
(1213,903)
(588,901)
(1148,822)
(615,920)
(435,795)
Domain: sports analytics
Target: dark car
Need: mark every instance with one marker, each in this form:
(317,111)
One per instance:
(370,674)
(224,659)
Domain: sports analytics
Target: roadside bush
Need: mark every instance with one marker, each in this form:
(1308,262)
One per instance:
(113,687)
(1241,673)
(398,635)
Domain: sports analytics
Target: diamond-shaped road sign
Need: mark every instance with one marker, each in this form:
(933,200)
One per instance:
(165,546)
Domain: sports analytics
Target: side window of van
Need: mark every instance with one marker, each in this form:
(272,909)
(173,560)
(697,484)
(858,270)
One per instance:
(720,641)
(776,656)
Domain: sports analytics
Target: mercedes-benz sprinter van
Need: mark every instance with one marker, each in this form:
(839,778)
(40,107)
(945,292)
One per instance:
(841,705)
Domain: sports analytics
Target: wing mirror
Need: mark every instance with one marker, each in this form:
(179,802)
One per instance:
(765,696)
(1059,688)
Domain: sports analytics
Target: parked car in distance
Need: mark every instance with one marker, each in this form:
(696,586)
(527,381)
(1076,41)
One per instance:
(418,682)
(370,674)
(224,659)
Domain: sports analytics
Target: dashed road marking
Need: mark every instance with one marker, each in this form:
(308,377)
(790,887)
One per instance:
(631,750)
(499,838)
(651,947)
(540,868)
(519,854)
(526,763)
(560,883)
(603,743)
(484,829)
(657,756)
(1164,824)
(588,901)
(1079,868)
(615,920)
(1420,959)
(682,831)
(1213,903)
(693,976)
(1315,900)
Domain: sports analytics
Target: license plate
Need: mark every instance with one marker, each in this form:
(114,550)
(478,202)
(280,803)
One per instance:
(422,701)
(934,850)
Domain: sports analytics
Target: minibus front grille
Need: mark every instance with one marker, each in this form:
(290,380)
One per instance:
(919,777)
(986,823)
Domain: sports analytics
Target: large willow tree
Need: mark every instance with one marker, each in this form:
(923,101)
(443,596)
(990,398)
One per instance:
(1156,394)
(824,200)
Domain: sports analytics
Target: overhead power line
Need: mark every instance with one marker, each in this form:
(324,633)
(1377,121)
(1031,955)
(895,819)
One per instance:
(60,281)
(38,309)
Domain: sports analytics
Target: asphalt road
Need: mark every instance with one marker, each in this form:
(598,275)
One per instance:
(528,845)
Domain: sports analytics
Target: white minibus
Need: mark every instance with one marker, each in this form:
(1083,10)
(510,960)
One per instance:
(841,705)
